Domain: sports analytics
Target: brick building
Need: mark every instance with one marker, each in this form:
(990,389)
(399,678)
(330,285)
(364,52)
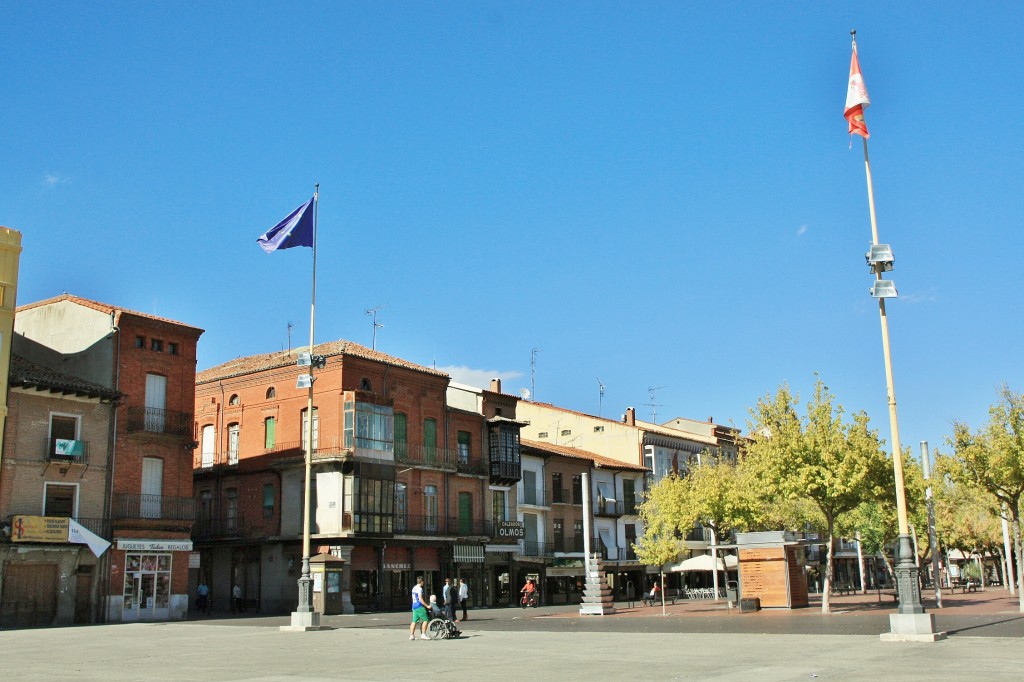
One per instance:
(399,486)
(147,506)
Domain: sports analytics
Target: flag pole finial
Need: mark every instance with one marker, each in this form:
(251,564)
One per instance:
(853,36)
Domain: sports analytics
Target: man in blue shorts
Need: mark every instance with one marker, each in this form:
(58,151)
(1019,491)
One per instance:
(419,611)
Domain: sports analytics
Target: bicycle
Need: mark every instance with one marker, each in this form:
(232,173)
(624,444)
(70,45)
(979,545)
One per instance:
(529,599)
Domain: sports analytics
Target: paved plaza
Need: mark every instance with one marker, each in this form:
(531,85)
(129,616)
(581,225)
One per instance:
(693,640)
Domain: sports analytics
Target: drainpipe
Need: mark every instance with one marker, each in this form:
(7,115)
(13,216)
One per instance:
(115,333)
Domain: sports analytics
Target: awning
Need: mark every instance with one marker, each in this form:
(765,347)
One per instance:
(606,538)
(468,554)
(703,562)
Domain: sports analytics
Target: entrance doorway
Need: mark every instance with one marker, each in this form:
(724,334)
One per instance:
(147,587)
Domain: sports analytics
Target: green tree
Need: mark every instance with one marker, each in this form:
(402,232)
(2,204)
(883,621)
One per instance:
(659,544)
(992,459)
(834,465)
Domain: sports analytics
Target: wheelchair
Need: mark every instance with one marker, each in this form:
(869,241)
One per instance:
(442,627)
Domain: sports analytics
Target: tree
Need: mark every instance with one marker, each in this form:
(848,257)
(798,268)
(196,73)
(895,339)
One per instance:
(992,458)
(659,511)
(834,465)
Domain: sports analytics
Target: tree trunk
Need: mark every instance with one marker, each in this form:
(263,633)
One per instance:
(1015,511)
(826,590)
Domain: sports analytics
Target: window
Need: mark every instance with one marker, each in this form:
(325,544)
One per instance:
(271,393)
(172,348)
(365,385)
(401,436)
(558,534)
(268,500)
(231,509)
(140,341)
(156,402)
(233,434)
(557,494)
(401,507)
(269,433)
(465,439)
(209,445)
(542,434)
(64,443)
(498,506)
(305,429)
(430,439)
(598,429)
(234,399)
(375,505)
(577,536)
(504,444)
(465,513)
(566,432)
(577,489)
(430,508)
(152,487)
(629,495)
(59,500)
(156,345)
(369,426)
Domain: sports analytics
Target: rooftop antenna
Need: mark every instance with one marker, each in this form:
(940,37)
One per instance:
(654,404)
(533,372)
(376,325)
(290,325)
(600,399)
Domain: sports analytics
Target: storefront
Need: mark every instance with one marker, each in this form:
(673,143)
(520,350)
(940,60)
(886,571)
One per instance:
(153,580)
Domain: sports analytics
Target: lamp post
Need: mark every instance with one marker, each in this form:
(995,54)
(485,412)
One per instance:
(932,540)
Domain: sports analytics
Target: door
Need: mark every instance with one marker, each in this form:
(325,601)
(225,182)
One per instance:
(152,487)
(29,596)
(147,587)
(465,513)
(156,402)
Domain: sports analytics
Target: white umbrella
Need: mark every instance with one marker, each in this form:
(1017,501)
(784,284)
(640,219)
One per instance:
(703,562)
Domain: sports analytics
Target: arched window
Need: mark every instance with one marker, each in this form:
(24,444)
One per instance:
(365,385)
(271,393)
(234,400)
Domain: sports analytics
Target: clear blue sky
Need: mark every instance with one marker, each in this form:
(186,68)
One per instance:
(653,194)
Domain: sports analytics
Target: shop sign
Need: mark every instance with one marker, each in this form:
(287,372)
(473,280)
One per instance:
(155,545)
(39,529)
(514,530)
(398,566)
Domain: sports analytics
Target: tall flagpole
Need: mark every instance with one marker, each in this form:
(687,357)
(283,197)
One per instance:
(305,618)
(910,622)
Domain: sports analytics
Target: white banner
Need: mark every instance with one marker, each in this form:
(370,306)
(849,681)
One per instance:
(79,534)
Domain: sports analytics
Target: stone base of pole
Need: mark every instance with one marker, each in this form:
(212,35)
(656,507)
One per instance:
(910,623)
(304,618)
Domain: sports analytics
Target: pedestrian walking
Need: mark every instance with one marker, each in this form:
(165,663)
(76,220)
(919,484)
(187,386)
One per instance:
(203,597)
(464,597)
(236,599)
(419,611)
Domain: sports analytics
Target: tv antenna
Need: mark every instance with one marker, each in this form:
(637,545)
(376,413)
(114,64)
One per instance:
(652,391)
(376,325)
(290,325)
(533,372)
(600,398)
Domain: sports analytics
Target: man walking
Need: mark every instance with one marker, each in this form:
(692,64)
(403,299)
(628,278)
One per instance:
(464,596)
(419,611)
(449,595)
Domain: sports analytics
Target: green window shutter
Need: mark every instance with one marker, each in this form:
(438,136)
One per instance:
(465,514)
(401,436)
(269,429)
(430,439)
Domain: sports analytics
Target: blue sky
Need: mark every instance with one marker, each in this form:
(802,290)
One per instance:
(652,194)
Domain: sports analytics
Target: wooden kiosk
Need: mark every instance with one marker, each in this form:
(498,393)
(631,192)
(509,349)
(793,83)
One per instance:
(772,569)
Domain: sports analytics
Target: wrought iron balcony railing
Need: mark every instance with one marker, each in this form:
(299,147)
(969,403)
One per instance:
(153,420)
(162,507)
(69,451)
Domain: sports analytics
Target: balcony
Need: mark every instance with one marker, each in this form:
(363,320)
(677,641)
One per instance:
(506,473)
(427,455)
(222,528)
(535,497)
(154,507)
(534,548)
(153,420)
(67,451)
(605,507)
(561,496)
(432,526)
(472,465)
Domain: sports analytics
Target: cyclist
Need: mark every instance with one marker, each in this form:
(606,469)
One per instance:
(529,592)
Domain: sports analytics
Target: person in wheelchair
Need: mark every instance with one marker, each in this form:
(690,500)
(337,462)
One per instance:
(440,626)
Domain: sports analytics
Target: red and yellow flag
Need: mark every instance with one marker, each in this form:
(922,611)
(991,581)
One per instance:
(857,99)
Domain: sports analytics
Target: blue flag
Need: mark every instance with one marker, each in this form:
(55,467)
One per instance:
(295,230)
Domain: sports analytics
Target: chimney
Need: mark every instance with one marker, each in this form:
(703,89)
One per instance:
(710,420)
(495,385)
(630,416)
